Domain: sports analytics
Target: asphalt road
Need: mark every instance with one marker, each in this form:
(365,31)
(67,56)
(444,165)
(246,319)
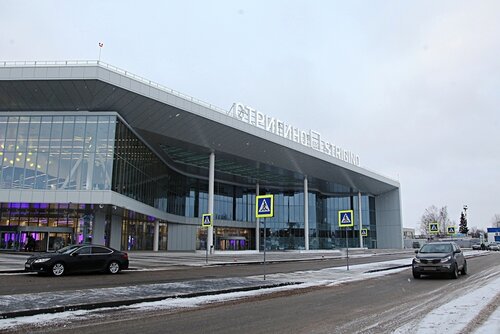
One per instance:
(377,305)
(33,283)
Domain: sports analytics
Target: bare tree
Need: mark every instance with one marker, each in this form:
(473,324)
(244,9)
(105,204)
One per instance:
(434,215)
(495,221)
(476,232)
(444,220)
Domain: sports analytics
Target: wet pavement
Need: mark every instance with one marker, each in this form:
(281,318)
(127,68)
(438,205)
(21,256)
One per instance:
(49,302)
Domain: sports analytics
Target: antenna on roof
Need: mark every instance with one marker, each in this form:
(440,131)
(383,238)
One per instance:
(100,48)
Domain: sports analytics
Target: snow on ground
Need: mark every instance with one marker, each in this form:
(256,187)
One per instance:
(455,316)
(451,318)
(492,325)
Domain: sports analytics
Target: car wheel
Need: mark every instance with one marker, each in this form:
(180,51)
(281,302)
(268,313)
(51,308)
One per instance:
(454,273)
(113,267)
(415,274)
(464,268)
(58,269)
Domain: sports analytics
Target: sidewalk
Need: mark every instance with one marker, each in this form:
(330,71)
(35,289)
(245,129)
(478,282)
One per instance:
(148,260)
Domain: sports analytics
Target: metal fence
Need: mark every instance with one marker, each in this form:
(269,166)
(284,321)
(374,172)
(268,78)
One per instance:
(55,63)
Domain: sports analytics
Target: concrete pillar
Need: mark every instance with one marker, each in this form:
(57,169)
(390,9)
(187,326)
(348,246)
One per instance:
(257,222)
(211,182)
(98,228)
(90,172)
(360,220)
(306,213)
(156,236)
(115,237)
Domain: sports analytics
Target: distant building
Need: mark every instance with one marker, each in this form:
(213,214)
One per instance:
(408,233)
(493,234)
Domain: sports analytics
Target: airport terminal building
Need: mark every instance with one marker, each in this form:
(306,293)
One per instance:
(93,153)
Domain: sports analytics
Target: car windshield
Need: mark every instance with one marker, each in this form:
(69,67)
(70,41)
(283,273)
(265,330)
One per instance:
(436,248)
(67,249)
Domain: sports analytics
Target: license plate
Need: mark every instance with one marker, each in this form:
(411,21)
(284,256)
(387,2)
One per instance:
(429,268)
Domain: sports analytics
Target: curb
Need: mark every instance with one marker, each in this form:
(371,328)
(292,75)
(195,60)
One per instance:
(13,271)
(91,306)
(385,269)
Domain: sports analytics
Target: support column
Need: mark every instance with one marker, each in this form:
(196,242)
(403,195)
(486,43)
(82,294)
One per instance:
(360,219)
(211,181)
(90,172)
(257,222)
(115,237)
(98,228)
(306,214)
(156,236)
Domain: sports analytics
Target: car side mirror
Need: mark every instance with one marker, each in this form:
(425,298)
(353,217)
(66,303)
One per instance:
(458,251)
(416,251)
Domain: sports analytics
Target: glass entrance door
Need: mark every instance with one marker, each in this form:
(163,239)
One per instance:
(34,241)
(58,241)
(233,243)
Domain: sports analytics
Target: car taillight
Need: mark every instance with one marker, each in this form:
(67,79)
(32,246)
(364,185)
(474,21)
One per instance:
(125,256)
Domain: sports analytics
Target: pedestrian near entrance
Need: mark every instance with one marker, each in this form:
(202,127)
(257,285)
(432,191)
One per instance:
(30,244)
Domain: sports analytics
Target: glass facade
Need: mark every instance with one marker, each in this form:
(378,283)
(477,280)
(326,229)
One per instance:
(228,238)
(56,152)
(138,232)
(100,152)
(286,229)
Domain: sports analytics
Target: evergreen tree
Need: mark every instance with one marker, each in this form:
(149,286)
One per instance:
(463,224)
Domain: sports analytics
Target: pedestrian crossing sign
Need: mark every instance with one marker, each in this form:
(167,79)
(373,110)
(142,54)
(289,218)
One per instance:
(206,220)
(434,227)
(264,206)
(346,218)
(364,232)
(451,229)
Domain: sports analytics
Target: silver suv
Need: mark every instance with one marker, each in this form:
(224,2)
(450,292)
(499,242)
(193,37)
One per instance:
(438,258)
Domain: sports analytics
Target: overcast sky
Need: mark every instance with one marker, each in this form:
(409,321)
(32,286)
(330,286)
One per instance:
(413,87)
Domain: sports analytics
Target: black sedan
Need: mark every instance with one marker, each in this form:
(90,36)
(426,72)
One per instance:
(78,258)
(438,258)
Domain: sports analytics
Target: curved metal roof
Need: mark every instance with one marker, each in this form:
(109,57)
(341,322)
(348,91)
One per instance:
(180,129)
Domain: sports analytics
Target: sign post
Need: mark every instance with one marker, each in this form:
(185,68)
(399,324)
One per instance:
(264,207)
(451,231)
(364,232)
(434,228)
(206,222)
(346,219)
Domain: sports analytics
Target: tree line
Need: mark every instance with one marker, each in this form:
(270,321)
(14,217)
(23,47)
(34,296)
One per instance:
(439,216)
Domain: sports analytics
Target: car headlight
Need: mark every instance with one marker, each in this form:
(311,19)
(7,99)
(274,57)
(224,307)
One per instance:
(446,259)
(45,259)
(416,260)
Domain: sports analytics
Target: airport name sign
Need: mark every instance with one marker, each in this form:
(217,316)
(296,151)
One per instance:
(307,138)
